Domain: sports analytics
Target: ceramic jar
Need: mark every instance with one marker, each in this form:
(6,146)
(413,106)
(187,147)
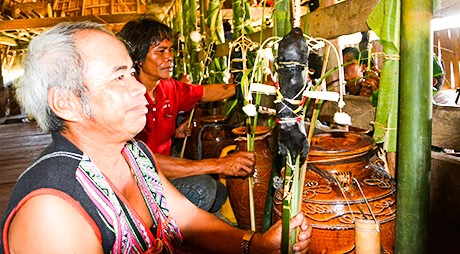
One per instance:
(345,182)
(238,188)
(215,134)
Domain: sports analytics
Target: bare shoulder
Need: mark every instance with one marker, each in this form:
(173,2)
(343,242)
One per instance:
(49,224)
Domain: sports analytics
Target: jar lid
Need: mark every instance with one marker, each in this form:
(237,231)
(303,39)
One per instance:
(213,119)
(340,143)
(259,130)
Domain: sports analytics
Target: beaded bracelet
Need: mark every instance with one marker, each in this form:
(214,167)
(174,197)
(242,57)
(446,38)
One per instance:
(246,241)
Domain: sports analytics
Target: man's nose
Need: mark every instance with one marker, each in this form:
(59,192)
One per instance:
(170,56)
(137,88)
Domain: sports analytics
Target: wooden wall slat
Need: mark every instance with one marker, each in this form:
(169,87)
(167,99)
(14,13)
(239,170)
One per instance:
(446,127)
(20,145)
(444,204)
(5,192)
(449,42)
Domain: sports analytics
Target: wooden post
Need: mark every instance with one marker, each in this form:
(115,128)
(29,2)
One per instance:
(414,135)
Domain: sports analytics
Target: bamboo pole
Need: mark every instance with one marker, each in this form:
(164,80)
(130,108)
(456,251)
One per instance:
(414,136)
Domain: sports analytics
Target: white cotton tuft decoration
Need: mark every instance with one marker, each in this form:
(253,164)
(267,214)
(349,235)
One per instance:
(195,36)
(250,110)
(342,118)
(263,88)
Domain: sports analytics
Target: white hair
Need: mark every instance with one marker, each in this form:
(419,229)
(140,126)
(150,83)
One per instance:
(53,60)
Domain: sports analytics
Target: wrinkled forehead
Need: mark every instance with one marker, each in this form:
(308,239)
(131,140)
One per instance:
(101,53)
(97,42)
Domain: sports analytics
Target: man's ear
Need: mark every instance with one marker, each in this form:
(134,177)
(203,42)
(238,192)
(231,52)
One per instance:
(65,104)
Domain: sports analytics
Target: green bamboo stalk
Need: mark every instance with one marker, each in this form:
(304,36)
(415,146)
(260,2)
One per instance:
(190,24)
(296,195)
(215,28)
(240,18)
(249,131)
(178,25)
(203,28)
(262,26)
(282,26)
(414,139)
(214,23)
(287,201)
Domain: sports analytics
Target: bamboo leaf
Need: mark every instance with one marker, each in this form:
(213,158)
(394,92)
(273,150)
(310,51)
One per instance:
(229,106)
(385,22)
(282,18)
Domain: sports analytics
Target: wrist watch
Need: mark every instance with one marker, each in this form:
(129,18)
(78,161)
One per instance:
(246,241)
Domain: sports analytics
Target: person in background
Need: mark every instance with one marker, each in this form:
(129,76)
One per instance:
(315,66)
(442,94)
(361,81)
(227,30)
(150,45)
(95,189)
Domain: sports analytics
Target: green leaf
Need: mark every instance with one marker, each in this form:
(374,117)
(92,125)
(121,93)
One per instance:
(385,21)
(282,18)
(214,22)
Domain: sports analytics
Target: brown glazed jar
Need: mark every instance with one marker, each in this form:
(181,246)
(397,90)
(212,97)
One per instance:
(215,135)
(191,146)
(340,158)
(202,109)
(238,188)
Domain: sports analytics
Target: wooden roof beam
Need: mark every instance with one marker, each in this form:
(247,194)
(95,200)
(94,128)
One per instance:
(347,17)
(21,24)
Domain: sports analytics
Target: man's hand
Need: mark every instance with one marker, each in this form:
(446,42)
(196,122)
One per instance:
(185,78)
(270,241)
(183,131)
(369,84)
(239,164)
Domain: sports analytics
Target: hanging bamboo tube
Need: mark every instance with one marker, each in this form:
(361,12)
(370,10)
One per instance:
(414,136)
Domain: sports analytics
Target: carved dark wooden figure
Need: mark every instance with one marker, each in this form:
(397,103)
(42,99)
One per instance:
(292,75)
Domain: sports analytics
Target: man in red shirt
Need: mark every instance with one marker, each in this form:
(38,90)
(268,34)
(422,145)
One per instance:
(150,44)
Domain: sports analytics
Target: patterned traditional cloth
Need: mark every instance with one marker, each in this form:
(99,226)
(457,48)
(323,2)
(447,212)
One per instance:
(111,215)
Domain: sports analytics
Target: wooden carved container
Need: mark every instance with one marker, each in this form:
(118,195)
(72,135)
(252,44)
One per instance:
(345,160)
